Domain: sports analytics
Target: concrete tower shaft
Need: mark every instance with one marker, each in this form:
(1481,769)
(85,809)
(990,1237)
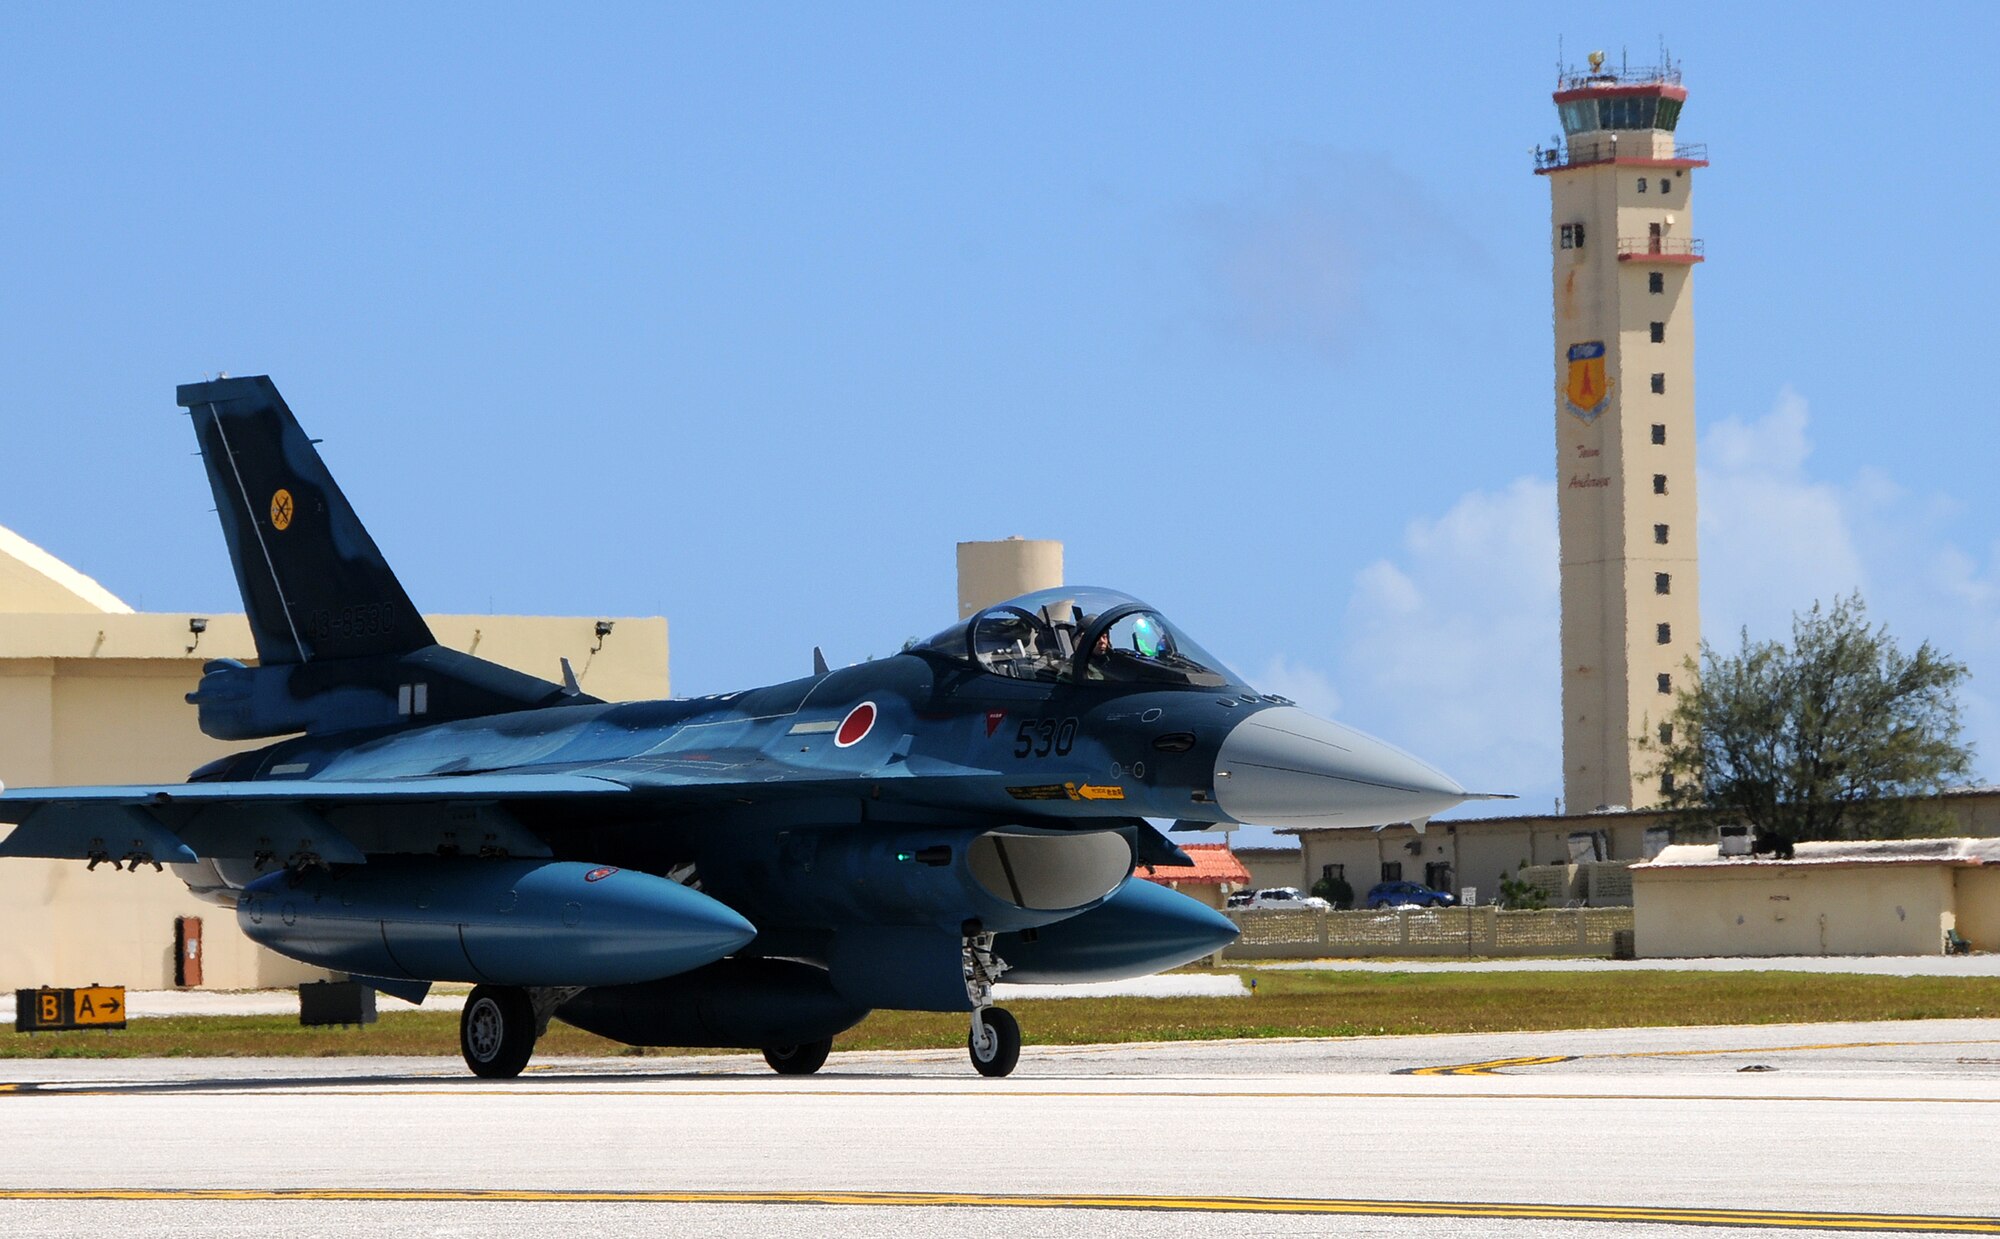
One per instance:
(1624,252)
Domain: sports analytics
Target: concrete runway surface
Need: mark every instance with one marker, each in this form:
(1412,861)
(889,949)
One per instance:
(1791,1129)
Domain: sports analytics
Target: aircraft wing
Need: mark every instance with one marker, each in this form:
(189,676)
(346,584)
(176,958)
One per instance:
(344,820)
(159,823)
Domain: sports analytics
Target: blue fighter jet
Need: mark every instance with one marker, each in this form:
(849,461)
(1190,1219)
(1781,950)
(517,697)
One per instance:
(758,869)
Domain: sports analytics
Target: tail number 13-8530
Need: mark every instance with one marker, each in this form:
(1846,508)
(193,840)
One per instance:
(1039,737)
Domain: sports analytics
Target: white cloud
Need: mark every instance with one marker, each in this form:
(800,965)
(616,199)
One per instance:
(1451,644)
(1775,540)
(1772,539)
(1451,651)
(1306,685)
(1449,648)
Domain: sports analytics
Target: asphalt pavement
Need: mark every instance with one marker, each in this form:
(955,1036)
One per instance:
(1789,1129)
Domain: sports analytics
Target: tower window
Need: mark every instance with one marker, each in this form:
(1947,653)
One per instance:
(1667,783)
(1659,333)
(1659,432)
(1660,534)
(1666,733)
(1663,582)
(1569,236)
(1642,184)
(1664,634)
(1666,683)
(1659,380)
(1656,281)
(1659,483)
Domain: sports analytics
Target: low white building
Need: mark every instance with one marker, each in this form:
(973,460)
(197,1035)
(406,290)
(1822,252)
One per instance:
(1890,897)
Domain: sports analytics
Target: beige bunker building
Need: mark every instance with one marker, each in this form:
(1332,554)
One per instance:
(92,691)
(1888,897)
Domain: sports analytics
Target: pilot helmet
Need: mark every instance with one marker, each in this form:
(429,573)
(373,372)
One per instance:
(1147,635)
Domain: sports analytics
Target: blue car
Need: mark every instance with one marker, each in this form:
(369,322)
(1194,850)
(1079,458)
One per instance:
(1407,895)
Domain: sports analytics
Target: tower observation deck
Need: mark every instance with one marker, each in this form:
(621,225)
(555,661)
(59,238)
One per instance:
(1623,255)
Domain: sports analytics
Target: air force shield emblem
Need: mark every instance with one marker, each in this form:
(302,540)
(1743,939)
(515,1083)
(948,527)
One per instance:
(1585,387)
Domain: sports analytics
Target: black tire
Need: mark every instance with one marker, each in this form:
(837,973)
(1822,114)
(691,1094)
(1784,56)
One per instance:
(1003,1049)
(798,1060)
(496,1031)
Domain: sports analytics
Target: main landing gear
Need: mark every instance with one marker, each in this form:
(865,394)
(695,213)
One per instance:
(798,1060)
(498,1029)
(995,1039)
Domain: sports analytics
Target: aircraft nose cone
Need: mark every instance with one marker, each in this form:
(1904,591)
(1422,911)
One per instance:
(1285,767)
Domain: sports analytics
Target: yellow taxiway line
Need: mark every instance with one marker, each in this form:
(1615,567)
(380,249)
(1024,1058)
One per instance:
(1492,1066)
(1672,1215)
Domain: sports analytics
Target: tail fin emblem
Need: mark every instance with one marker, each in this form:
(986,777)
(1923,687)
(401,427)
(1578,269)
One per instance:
(281,510)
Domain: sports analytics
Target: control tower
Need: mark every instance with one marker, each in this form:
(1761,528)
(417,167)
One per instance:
(1620,233)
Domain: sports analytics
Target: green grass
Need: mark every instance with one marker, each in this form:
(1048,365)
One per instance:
(1287,1004)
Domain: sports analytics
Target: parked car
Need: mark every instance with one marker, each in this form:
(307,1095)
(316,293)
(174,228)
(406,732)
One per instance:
(1239,899)
(1286,897)
(1408,895)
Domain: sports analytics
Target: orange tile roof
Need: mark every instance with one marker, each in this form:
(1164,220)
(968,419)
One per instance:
(1214,864)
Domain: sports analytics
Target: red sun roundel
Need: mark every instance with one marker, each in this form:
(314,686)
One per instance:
(858,723)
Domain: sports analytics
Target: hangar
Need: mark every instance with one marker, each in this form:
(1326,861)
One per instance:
(92,691)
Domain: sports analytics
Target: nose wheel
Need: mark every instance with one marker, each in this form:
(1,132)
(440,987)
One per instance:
(995,1039)
(994,1042)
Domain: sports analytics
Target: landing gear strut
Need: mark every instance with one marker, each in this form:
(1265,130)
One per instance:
(995,1039)
(498,1029)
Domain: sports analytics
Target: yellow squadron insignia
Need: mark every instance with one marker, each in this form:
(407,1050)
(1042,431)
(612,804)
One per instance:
(1585,386)
(281,509)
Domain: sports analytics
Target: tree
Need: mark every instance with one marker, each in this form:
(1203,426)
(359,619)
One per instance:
(1519,894)
(1836,737)
(1335,891)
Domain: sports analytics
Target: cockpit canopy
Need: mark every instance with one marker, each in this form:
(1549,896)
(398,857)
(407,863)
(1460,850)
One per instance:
(1080,633)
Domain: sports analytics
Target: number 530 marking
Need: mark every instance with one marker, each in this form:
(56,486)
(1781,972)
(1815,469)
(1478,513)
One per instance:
(1038,737)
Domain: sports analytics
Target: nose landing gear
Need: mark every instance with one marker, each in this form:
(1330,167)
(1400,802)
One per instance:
(994,1041)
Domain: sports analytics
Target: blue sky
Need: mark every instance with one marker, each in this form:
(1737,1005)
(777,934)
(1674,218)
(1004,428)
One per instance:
(745,314)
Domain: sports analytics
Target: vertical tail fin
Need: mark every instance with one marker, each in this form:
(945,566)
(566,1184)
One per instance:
(314,585)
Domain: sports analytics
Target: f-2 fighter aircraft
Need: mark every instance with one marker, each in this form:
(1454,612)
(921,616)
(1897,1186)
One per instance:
(758,869)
